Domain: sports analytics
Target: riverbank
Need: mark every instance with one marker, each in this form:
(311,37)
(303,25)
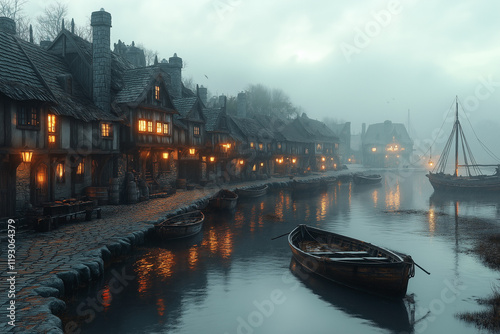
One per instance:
(49,264)
(489,251)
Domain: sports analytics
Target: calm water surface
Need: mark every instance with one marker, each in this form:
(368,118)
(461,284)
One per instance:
(232,278)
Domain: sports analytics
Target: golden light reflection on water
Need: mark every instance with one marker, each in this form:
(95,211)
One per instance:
(143,269)
(432,221)
(212,240)
(375,198)
(160,307)
(193,257)
(393,198)
(226,246)
(106,298)
(165,263)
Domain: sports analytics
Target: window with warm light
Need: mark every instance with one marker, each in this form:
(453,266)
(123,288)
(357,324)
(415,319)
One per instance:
(212,159)
(159,128)
(279,146)
(196,131)
(374,149)
(80,171)
(150,126)
(261,147)
(226,147)
(192,151)
(142,125)
(51,123)
(165,128)
(60,172)
(242,162)
(157,93)
(319,147)
(252,145)
(165,155)
(52,139)
(106,130)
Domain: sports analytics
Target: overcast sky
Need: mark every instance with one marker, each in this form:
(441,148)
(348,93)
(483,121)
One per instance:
(358,61)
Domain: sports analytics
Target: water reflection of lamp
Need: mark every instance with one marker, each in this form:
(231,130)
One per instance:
(26,154)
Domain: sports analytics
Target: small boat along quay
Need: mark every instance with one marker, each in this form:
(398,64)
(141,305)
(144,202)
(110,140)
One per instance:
(49,264)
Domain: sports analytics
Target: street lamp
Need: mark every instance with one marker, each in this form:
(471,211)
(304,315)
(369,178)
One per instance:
(26,154)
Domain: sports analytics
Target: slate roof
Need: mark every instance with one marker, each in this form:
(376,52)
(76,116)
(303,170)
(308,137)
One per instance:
(185,105)
(136,82)
(28,72)
(251,128)
(212,116)
(307,130)
(383,133)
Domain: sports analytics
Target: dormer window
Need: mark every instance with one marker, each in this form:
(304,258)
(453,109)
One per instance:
(157,93)
(196,130)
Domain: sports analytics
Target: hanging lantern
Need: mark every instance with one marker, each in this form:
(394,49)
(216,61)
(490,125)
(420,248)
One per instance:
(26,154)
(165,155)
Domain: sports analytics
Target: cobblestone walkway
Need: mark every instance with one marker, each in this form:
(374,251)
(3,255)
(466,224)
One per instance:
(49,263)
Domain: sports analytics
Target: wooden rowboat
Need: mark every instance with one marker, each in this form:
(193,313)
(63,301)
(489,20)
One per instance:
(351,262)
(252,192)
(224,199)
(300,186)
(366,179)
(180,226)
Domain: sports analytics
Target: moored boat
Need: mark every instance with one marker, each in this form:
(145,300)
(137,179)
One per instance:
(252,192)
(224,199)
(180,226)
(351,262)
(300,186)
(359,178)
(326,182)
(473,180)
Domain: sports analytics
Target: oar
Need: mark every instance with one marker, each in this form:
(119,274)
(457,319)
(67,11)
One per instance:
(280,236)
(425,271)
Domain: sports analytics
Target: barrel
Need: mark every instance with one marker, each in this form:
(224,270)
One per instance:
(131,192)
(114,193)
(99,194)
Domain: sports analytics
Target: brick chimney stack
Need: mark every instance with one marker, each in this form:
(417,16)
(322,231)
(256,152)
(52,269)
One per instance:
(101,59)
(7,25)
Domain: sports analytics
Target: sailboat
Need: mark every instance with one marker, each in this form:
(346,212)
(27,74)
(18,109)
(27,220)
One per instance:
(474,180)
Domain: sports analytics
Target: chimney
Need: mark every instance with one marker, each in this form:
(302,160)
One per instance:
(175,70)
(242,105)
(7,25)
(203,94)
(101,59)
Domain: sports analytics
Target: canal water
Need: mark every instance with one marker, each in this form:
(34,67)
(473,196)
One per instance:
(232,278)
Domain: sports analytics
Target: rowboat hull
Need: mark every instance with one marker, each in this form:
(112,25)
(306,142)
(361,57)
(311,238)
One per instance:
(477,184)
(379,271)
(305,186)
(223,200)
(253,192)
(366,179)
(180,226)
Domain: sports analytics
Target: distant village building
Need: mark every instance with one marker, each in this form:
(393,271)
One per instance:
(386,145)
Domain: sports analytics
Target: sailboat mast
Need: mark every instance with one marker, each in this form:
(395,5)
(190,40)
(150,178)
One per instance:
(456,136)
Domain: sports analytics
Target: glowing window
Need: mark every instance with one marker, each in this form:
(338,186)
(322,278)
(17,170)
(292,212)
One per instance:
(60,172)
(252,145)
(106,130)
(51,123)
(261,147)
(165,128)
(142,125)
(159,128)
(196,130)
(52,139)
(150,126)
(157,92)
(80,168)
